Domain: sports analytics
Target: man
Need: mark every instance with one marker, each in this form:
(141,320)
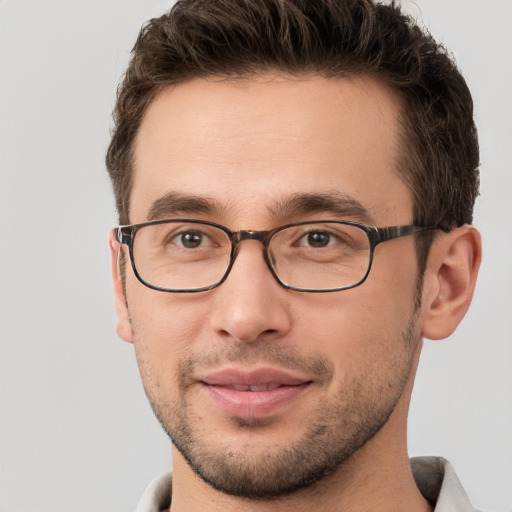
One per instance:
(295,183)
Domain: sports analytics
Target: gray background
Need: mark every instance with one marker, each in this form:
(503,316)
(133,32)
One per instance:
(76,433)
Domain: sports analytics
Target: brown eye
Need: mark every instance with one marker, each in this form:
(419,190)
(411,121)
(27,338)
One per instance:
(318,239)
(190,239)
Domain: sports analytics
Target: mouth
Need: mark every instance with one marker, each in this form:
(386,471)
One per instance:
(256,393)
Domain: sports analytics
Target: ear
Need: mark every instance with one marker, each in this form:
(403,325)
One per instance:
(450,279)
(124,326)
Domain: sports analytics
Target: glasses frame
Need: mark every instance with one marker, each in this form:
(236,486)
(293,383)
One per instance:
(125,235)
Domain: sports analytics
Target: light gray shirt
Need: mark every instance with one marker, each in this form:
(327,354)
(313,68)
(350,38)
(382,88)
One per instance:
(434,477)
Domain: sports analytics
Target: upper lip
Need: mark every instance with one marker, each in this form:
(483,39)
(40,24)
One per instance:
(256,379)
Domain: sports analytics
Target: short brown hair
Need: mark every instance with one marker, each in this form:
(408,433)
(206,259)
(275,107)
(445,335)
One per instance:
(330,38)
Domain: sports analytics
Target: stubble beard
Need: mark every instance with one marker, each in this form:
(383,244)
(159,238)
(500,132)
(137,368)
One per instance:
(341,425)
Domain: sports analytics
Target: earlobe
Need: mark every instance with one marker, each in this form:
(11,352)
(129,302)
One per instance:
(450,280)
(124,326)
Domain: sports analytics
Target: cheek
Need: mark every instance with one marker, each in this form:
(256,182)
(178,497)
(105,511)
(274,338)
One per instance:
(165,328)
(363,327)
(370,353)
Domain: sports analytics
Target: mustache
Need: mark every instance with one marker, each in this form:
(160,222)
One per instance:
(246,354)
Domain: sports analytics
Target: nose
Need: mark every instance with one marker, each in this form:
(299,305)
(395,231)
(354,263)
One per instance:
(250,304)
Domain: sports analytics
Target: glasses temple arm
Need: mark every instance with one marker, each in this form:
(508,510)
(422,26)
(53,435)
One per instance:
(392,232)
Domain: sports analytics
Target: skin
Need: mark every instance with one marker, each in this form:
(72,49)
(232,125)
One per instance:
(248,145)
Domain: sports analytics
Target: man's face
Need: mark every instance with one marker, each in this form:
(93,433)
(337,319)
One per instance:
(265,390)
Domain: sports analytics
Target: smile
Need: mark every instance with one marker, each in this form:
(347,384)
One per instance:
(257,393)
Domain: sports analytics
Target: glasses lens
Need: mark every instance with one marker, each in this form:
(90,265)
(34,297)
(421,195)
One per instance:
(181,255)
(320,256)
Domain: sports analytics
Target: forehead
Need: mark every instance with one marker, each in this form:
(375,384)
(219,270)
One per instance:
(249,144)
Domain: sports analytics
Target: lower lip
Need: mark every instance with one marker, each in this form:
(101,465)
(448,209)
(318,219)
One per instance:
(253,404)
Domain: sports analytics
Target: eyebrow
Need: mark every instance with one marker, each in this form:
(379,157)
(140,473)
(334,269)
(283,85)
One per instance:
(174,202)
(342,206)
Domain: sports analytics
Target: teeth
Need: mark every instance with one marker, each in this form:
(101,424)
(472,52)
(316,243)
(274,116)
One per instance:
(261,387)
(241,388)
(258,388)
(264,387)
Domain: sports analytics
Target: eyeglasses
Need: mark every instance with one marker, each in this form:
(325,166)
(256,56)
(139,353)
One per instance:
(186,255)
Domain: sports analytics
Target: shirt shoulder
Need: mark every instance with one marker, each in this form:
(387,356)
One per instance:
(157,496)
(437,481)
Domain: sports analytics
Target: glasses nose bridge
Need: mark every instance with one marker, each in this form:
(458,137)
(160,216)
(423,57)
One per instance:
(248,234)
